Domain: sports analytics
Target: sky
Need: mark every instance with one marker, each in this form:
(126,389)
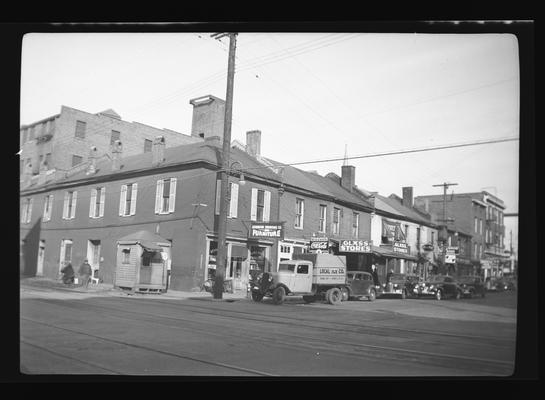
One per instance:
(314,96)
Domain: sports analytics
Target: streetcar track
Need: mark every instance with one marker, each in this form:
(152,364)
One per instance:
(142,347)
(382,352)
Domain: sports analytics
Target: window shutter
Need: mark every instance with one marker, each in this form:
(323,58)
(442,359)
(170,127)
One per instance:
(74,201)
(45,208)
(102,201)
(218,193)
(65,206)
(233,205)
(253,210)
(302,213)
(267,206)
(122,199)
(172,200)
(92,203)
(158,196)
(29,213)
(133,198)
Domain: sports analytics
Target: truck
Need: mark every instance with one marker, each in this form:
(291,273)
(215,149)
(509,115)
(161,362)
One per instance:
(314,276)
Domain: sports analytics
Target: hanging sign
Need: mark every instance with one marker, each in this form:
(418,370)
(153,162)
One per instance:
(266,230)
(354,246)
(400,247)
(319,243)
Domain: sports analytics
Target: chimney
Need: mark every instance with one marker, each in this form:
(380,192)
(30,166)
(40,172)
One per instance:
(158,150)
(92,166)
(253,143)
(208,116)
(407,196)
(348,177)
(117,149)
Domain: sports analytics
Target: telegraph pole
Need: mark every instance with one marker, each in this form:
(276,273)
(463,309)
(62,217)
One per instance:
(444,220)
(222,226)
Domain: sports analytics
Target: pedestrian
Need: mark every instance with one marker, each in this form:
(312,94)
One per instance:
(388,279)
(376,281)
(67,273)
(85,271)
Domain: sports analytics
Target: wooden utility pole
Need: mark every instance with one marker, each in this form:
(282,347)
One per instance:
(221,260)
(444,220)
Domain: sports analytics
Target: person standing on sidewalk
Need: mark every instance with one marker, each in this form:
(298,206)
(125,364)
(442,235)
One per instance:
(67,273)
(85,271)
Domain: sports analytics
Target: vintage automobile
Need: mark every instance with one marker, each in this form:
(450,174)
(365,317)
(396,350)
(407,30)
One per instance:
(472,286)
(440,287)
(402,285)
(494,284)
(359,284)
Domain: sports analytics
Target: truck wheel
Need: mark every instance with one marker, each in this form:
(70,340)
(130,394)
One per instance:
(256,296)
(345,294)
(278,295)
(372,295)
(334,296)
(308,299)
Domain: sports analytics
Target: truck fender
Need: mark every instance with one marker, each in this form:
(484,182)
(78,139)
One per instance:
(275,285)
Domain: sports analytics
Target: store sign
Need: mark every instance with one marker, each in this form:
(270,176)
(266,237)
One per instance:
(400,247)
(354,246)
(319,243)
(453,249)
(266,230)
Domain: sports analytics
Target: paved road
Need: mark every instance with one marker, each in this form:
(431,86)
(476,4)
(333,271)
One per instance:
(92,333)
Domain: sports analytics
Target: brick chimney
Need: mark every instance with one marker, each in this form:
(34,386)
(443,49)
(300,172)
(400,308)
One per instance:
(208,116)
(117,149)
(348,177)
(253,143)
(158,150)
(92,166)
(407,196)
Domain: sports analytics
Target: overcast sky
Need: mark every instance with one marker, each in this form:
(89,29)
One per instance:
(310,94)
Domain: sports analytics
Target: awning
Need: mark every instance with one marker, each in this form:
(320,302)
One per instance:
(150,246)
(383,252)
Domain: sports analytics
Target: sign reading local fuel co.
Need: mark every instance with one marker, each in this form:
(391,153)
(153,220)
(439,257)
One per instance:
(266,230)
(354,246)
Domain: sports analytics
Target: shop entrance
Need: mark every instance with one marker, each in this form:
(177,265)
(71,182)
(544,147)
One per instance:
(239,266)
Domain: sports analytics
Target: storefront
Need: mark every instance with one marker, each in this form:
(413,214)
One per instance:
(386,258)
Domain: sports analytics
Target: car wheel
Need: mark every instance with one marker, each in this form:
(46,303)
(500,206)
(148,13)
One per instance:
(256,296)
(438,295)
(278,295)
(345,294)
(372,295)
(334,296)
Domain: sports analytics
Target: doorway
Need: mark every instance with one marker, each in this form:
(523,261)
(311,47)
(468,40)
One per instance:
(41,256)
(93,255)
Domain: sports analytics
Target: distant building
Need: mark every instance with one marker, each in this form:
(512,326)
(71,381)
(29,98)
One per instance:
(478,215)
(62,142)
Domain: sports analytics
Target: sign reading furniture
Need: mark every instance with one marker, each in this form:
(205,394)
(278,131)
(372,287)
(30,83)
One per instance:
(266,230)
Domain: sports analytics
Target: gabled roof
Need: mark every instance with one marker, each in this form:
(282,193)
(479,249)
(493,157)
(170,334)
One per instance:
(395,202)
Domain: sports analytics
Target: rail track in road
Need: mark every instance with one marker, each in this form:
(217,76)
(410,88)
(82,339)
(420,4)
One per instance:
(345,338)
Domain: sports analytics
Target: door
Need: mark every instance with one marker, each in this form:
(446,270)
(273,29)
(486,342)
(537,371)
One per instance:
(66,252)
(302,280)
(93,255)
(41,254)
(358,285)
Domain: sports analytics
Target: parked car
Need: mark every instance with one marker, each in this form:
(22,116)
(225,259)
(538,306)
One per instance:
(511,282)
(359,284)
(472,286)
(402,285)
(496,284)
(440,287)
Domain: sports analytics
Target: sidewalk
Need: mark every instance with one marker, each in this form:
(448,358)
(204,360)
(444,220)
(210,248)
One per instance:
(108,290)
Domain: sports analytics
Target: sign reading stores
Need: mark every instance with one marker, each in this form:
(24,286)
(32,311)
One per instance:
(266,230)
(400,247)
(354,246)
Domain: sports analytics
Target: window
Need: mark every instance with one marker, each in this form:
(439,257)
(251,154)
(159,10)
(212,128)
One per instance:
(115,135)
(127,200)
(260,205)
(432,237)
(26,213)
(76,160)
(48,206)
(302,269)
(96,204)
(147,145)
(126,256)
(232,196)
(299,213)
(80,129)
(48,160)
(480,226)
(69,209)
(323,217)
(165,196)
(476,250)
(355,224)
(336,227)
(475,224)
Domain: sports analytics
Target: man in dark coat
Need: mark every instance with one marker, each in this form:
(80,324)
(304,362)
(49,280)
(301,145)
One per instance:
(85,271)
(376,281)
(67,273)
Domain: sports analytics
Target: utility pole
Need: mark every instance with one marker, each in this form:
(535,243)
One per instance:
(444,220)
(222,226)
